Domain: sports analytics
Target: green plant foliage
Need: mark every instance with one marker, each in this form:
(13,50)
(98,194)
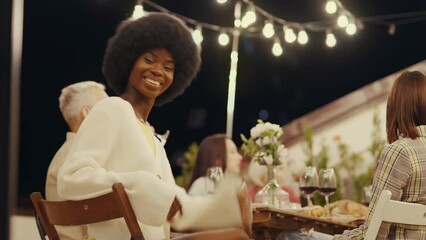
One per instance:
(190,156)
(377,143)
(319,160)
(308,144)
(349,161)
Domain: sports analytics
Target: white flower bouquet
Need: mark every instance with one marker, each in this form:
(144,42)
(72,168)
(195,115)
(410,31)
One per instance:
(264,144)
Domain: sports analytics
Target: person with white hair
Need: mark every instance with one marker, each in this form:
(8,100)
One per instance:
(75,102)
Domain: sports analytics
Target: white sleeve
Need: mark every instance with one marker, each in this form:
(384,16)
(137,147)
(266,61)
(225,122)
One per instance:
(211,211)
(198,187)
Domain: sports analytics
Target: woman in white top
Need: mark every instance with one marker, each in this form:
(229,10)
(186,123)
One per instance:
(149,61)
(214,150)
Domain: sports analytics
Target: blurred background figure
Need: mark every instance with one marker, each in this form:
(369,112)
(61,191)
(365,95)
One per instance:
(75,102)
(218,151)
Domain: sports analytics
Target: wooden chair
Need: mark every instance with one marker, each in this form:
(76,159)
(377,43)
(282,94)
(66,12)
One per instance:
(70,213)
(245,209)
(396,212)
(111,206)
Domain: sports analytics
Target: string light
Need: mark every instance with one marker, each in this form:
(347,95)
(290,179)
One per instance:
(342,21)
(277,49)
(246,26)
(302,37)
(351,29)
(138,10)
(289,35)
(268,30)
(197,35)
(330,39)
(250,17)
(331,7)
(223,39)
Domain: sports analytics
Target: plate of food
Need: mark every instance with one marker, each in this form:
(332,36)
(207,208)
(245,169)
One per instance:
(346,208)
(313,211)
(345,211)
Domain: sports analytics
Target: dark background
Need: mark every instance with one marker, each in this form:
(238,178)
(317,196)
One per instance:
(5,45)
(64,43)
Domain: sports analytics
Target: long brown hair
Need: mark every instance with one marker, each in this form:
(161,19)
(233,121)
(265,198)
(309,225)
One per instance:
(212,152)
(406,106)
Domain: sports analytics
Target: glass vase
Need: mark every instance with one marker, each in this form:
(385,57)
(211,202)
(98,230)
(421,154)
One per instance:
(272,194)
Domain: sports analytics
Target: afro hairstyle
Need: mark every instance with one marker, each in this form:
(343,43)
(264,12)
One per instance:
(153,31)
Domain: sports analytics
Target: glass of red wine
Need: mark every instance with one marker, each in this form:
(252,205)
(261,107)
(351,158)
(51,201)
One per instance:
(327,183)
(308,182)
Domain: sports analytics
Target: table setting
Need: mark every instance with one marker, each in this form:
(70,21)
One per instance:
(332,218)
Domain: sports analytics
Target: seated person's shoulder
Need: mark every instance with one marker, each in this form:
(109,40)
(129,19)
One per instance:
(111,102)
(115,105)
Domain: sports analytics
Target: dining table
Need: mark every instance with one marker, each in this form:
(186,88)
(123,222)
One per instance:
(269,221)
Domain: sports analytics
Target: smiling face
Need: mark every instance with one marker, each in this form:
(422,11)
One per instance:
(152,74)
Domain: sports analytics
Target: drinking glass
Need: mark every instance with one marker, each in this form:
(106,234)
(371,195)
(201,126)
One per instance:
(368,192)
(214,175)
(327,183)
(308,183)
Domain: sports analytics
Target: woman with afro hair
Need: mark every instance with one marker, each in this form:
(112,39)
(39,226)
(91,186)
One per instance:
(148,62)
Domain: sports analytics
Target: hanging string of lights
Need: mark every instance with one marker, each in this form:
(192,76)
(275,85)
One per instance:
(280,30)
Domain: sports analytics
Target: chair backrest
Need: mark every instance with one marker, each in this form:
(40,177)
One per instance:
(245,208)
(396,212)
(70,213)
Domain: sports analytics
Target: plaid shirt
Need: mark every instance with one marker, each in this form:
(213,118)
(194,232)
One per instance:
(401,170)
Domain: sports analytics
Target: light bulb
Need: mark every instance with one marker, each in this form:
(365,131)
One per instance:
(221,1)
(223,39)
(302,37)
(248,18)
(351,29)
(138,11)
(289,35)
(342,21)
(330,40)
(197,35)
(277,50)
(268,30)
(331,7)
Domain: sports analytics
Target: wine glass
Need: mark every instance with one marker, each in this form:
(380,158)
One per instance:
(308,182)
(214,175)
(327,183)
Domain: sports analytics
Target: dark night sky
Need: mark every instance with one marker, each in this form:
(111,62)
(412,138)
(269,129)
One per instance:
(64,43)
